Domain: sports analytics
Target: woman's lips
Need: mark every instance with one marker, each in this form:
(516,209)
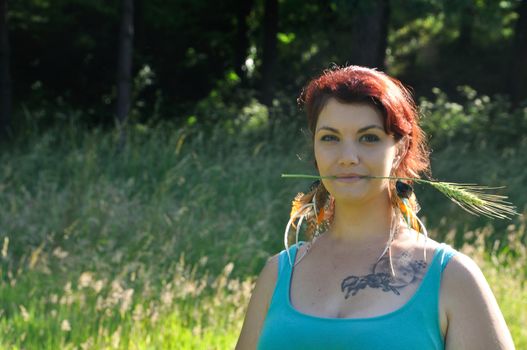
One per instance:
(349,179)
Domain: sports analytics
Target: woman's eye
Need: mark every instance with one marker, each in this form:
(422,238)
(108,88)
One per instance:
(368,138)
(324,138)
(371,138)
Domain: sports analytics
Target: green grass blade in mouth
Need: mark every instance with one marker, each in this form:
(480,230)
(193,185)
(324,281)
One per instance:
(470,197)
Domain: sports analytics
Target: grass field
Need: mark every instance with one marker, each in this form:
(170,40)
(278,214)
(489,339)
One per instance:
(158,246)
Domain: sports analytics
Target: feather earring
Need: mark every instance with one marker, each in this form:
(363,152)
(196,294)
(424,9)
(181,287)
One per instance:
(317,218)
(405,193)
(300,211)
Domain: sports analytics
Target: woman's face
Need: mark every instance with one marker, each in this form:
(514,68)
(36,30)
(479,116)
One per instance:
(350,139)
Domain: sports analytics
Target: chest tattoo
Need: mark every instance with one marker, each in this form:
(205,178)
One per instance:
(407,271)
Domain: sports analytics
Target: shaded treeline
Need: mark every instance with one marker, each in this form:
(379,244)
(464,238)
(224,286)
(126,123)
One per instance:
(5,80)
(63,52)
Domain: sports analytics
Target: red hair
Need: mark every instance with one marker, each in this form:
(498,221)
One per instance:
(355,84)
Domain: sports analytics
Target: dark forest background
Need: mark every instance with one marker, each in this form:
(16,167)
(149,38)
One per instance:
(178,55)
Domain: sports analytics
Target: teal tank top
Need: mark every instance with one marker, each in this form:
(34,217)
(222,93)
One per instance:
(413,326)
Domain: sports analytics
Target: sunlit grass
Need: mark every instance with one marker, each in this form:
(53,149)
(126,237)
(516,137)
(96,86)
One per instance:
(506,273)
(186,311)
(158,246)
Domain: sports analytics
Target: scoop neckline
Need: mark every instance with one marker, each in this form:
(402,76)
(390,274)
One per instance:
(355,319)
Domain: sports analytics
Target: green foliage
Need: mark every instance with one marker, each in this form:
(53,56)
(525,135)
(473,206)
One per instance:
(286,38)
(451,43)
(476,119)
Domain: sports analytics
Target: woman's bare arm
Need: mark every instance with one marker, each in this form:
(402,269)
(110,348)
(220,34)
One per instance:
(258,305)
(475,320)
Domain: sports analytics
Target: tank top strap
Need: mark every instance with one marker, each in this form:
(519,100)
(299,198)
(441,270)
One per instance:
(447,252)
(285,269)
(428,292)
(287,259)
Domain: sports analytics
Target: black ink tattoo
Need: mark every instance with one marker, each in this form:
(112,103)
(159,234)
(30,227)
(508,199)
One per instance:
(406,272)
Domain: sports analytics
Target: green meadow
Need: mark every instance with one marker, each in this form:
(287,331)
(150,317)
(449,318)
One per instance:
(157,246)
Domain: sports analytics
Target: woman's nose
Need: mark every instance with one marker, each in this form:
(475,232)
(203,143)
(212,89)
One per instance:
(349,155)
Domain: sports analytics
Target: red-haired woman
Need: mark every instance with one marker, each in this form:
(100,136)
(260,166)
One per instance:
(363,280)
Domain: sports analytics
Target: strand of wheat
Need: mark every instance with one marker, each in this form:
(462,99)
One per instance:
(470,197)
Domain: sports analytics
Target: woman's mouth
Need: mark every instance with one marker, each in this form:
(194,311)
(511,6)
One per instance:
(349,178)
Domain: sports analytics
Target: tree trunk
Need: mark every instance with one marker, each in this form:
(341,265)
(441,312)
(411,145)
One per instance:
(140,38)
(518,71)
(5,80)
(269,50)
(369,33)
(242,40)
(464,40)
(124,68)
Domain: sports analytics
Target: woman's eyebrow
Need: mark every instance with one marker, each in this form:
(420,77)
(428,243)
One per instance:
(358,131)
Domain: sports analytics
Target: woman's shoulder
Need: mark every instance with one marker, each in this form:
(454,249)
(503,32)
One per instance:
(462,272)
(270,270)
(463,277)
(269,273)
(474,316)
(258,304)
(265,284)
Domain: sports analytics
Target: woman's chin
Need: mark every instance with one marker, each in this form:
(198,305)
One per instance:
(349,195)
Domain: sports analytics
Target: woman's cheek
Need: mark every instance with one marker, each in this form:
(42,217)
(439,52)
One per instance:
(322,160)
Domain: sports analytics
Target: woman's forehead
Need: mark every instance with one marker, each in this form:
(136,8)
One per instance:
(352,116)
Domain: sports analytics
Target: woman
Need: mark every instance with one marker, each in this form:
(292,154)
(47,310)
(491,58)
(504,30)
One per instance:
(364,281)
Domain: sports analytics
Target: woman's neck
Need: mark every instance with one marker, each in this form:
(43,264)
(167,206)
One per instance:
(361,224)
